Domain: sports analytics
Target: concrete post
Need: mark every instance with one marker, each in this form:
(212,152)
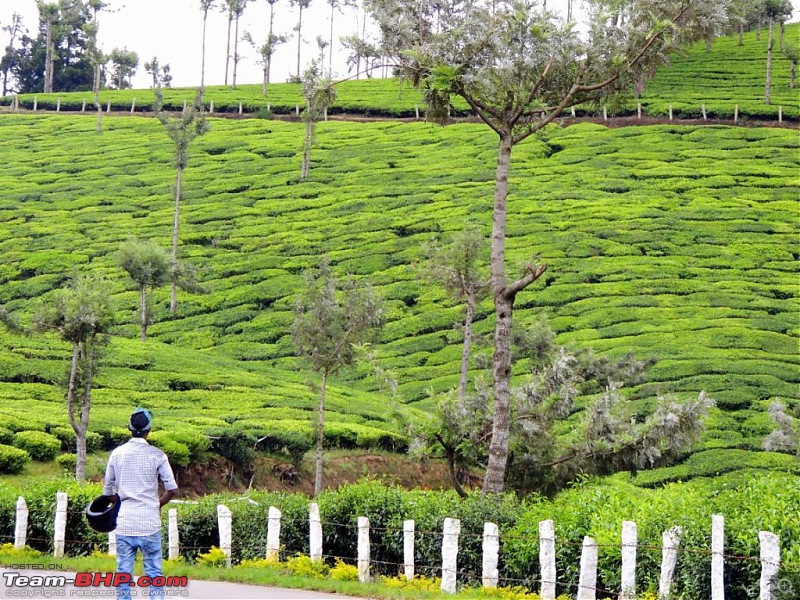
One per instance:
(452,529)
(770,563)
(133,105)
(211,106)
(547,559)
(629,540)
(670,540)
(60,529)
(273,534)
(491,555)
(112,543)
(587,584)
(363,549)
(408,549)
(225,521)
(174,539)
(21,526)
(717,559)
(315,532)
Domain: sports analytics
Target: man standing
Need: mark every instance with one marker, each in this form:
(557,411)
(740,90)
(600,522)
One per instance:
(133,472)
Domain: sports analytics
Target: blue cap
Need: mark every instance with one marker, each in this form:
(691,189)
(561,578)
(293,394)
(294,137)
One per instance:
(141,420)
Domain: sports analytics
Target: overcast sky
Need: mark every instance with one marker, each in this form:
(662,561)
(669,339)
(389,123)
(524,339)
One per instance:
(172,31)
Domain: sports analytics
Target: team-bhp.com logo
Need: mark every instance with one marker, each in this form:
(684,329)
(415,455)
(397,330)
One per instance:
(88,584)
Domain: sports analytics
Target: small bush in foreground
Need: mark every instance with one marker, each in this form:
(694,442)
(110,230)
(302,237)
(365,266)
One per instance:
(12,460)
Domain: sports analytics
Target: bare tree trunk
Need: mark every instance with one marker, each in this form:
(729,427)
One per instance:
(569,11)
(465,351)
(330,47)
(268,62)
(307,143)
(97,105)
(173,295)
(235,52)
(792,74)
(80,432)
(770,42)
(143,311)
(741,34)
(494,479)
(228,47)
(320,435)
(48,59)
(203,58)
(80,470)
(299,38)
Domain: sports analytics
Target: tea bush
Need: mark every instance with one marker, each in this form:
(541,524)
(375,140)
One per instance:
(12,459)
(39,445)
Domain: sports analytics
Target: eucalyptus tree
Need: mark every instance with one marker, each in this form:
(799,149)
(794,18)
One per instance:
(792,53)
(10,57)
(273,41)
(360,50)
(205,6)
(96,56)
(150,267)
(301,6)
(331,320)
(236,8)
(775,11)
(459,268)
(519,68)
(319,93)
(160,73)
(82,315)
(335,5)
(124,63)
(182,131)
(265,51)
(605,437)
(48,14)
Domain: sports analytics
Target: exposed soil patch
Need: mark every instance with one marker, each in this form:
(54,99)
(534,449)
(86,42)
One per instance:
(276,475)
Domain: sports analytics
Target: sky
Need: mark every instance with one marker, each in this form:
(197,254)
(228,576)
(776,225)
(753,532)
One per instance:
(172,31)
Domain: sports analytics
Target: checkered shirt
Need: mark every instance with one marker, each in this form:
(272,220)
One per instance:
(133,472)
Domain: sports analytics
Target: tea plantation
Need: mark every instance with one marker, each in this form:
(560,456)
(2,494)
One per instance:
(675,242)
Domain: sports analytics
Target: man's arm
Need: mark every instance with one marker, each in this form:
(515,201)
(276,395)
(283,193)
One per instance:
(167,496)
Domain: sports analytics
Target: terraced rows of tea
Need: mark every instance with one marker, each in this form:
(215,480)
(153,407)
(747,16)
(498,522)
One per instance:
(728,76)
(673,242)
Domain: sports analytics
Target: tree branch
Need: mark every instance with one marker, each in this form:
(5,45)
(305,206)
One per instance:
(520,284)
(534,90)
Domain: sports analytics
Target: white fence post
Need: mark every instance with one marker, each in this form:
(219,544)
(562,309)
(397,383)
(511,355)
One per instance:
(452,529)
(83,105)
(35,103)
(735,113)
(780,114)
(174,539)
(112,543)
(491,553)
(273,534)
(133,105)
(717,559)
(108,107)
(770,563)
(547,559)
(60,529)
(629,540)
(58,104)
(703,111)
(670,540)
(211,107)
(587,584)
(363,549)
(315,532)
(225,520)
(21,526)
(408,549)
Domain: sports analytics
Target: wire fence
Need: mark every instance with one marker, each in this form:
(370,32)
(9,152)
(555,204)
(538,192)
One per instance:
(386,562)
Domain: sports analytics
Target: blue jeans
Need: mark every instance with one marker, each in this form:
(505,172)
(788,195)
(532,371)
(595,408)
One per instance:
(150,545)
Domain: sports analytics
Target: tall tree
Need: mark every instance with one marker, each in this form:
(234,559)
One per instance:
(123,67)
(776,11)
(335,5)
(150,267)
(330,321)
(319,93)
(360,50)
(160,73)
(518,68)
(10,58)
(301,5)
(273,41)
(237,9)
(182,131)
(48,12)
(205,6)
(82,315)
(458,267)
(792,53)
(265,51)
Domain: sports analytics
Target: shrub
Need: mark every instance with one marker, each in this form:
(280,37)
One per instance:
(39,445)
(12,460)
(341,571)
(66,436)
(177,452)
(215,557)
(67,461)
(303,566)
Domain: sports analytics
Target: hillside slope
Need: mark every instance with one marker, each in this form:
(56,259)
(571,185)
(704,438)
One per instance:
(674,242)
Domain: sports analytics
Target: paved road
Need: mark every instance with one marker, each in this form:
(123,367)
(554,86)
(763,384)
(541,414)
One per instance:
(196,590)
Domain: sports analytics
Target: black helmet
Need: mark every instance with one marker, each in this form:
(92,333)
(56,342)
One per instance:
(102,514)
